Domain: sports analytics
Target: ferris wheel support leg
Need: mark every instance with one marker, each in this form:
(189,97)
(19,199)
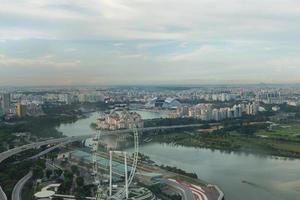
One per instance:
(110,173)
(126,176)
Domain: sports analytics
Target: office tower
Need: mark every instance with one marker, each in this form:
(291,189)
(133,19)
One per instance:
(20,110)
(5,102)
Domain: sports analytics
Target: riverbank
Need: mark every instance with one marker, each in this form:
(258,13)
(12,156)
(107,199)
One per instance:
(227,169)
(256,139)
(275,178)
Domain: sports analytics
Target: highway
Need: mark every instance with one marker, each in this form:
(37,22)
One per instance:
(66,140)
(63,141)
(186,192)
(47,151)
(156,128)
(17,191)
(2,194)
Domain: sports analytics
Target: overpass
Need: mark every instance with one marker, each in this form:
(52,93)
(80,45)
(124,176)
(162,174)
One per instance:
(66,140)
(2,195)
(156,128)
(17,191)
(59,141)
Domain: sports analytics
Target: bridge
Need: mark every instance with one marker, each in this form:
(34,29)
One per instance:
(17,191)
(67,140)
(157,128)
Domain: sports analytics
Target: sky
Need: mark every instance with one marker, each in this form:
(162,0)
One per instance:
(113,42)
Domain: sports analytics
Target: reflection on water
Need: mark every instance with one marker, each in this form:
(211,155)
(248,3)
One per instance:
(241,176)
(82,126)
(102,161)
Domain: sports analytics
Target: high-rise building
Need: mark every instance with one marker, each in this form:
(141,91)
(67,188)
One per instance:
(216,115)
(1,112)
(20,110)
(5,102)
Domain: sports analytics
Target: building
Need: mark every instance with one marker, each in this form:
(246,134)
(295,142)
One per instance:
(276,108)
(20,110)
(207,112)
(252,108)
(5,102)
(183,111)
(216,115)
(123,120)
(168,103)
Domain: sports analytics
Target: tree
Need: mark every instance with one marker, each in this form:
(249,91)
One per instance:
(74,169)
(58,172)
(57,198)
(41,163)
(79,196)
(79,181)
(38,172)
(68,180)
(48,173)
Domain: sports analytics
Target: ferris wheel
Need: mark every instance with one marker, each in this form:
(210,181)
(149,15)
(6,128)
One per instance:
(123,191)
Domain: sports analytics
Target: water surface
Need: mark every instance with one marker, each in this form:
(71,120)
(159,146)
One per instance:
(266,178)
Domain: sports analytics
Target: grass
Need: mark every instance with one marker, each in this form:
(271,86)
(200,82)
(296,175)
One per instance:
(190,180)
(286,147)
(283,130)
(281,141)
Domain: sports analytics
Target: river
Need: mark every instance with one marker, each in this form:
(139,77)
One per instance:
(82,126)
(267,178)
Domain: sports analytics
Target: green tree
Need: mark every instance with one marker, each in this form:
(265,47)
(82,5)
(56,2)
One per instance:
(48,173)
(75,169)
(57,198)
(58,172)
(68,180)
(79,181)
(38,172)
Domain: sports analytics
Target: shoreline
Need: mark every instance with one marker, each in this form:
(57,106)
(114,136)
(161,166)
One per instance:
(246,153)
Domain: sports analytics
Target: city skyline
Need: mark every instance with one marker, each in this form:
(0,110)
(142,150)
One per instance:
(115,42)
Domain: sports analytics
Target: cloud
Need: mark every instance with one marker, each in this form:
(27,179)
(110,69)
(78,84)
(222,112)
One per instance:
(196,54)
(40,62)
(132,56)
(151,39)
(118,44)
(132,19)
(69,50)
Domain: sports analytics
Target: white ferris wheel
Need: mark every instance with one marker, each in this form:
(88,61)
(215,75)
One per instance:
(122,192)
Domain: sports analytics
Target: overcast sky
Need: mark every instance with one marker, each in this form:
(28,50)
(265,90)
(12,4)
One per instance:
(69,42)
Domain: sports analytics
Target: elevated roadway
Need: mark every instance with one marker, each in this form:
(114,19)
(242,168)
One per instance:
(17,191)
(2,194)
(66,140)
(6,154)
(185,192)
(156,128)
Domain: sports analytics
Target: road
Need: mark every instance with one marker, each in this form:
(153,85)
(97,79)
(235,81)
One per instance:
(186,192)
(17,191)
(2,194)
(11,152)
(66,140)
(156,128)
(47,151)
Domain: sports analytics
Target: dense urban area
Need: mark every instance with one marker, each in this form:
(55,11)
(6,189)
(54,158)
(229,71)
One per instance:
(254,119)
